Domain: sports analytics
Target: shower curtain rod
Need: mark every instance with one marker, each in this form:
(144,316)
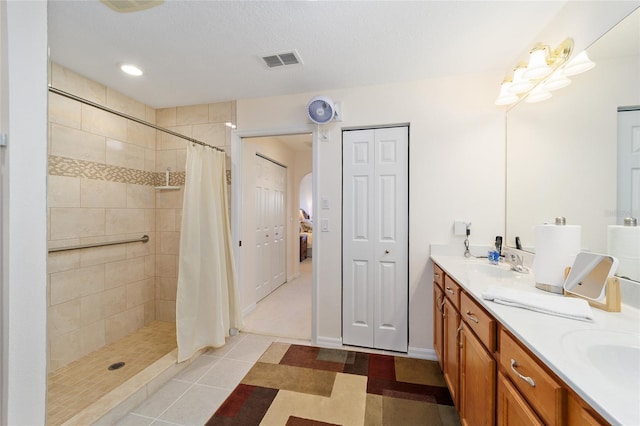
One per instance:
(129,117)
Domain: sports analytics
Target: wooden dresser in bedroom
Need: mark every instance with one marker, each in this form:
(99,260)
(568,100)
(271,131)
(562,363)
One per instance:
(303,247)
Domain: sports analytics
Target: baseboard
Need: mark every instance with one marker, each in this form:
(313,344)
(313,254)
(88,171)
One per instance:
(422,353)
(329,342)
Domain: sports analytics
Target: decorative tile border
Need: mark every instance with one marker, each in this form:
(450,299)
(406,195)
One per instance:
(63,166)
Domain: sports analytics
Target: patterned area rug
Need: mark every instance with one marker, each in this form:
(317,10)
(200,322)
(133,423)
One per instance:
(303,386)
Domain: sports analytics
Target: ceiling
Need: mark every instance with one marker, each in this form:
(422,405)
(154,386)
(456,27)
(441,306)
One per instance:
(195,52)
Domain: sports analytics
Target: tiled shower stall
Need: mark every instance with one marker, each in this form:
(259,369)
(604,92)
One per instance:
(102,174)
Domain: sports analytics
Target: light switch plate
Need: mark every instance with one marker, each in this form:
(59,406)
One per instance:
(324,203)
(324,225)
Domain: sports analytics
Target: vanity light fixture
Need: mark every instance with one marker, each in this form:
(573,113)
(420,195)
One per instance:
(557,81)
(579,64)
(538,94)
(538,66)
(506,97)
(131,70)
(230,125)
(520,84)
(546,70)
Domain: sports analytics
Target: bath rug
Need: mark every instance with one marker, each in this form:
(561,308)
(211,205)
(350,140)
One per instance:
(309,386)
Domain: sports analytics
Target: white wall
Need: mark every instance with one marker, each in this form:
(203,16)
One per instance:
(456,171)
(24,309)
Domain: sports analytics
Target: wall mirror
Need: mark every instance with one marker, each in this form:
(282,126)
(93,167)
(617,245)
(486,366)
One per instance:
(562,154)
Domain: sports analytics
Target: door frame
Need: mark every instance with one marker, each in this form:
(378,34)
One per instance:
(236,207)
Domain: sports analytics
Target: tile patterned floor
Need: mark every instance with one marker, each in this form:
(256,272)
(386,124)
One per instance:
(192,396)
(79,384)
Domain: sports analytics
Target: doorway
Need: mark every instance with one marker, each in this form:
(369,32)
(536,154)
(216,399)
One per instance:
(274,303)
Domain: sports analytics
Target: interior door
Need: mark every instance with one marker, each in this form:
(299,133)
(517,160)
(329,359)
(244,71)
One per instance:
(263,242)
(628,164)
(375,237)
(278,275)
(269,230)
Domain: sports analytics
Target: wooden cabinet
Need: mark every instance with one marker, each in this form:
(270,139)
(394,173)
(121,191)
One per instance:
(490,373)
(450,352)
(438,334)
(452,291)
(513,410)
(477,380)
(543,393)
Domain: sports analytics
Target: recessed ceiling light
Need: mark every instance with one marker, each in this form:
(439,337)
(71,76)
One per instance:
(131,69)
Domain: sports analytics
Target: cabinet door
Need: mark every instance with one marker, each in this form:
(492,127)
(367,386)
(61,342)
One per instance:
(451,354)
(513,410)
(477,381)
(438,334)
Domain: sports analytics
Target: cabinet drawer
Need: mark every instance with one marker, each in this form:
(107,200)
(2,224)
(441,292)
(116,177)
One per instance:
(438,276)
(452,291)
(482,324)
(542,392)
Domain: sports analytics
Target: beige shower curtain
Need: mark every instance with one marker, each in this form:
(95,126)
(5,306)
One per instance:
(207,303)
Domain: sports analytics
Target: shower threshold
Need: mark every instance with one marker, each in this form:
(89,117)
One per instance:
(87,392)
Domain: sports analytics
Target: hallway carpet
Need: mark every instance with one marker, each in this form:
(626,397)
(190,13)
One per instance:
(306,385)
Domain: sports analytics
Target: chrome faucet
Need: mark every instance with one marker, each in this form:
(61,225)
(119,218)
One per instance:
(516,262)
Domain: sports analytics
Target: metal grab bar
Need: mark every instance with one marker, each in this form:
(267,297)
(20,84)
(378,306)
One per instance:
(144,239)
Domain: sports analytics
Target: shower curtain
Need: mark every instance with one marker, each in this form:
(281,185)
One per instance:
(207,303)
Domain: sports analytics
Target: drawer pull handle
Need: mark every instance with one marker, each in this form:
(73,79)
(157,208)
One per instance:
(437,276)
(449,290)
(472,317)
(514,365)
(438,305)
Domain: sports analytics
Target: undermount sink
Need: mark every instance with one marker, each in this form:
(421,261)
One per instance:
(615,356)
(490,271)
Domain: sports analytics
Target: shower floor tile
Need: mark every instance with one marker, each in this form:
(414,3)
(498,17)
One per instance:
(74,387)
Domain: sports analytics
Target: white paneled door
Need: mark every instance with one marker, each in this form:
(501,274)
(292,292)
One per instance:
(270,218)
(375,238)
(628,164)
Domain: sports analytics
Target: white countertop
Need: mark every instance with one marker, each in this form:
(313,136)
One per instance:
(559,342)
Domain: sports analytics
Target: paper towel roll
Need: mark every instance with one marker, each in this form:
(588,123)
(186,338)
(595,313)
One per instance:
(623,243)
(556,248)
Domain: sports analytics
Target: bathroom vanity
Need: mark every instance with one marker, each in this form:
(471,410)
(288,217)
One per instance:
(506,365)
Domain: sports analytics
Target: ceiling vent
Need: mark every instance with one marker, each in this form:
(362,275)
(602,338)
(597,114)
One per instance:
(125,6)
(282,59)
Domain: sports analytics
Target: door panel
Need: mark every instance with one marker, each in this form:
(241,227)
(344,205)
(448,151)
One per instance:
(375,235)
(270,220)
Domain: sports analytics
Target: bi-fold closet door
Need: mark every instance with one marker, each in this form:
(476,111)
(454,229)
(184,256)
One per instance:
(271,180)
(375,235)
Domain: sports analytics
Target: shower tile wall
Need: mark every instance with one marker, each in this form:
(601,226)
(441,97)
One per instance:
(103,170)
